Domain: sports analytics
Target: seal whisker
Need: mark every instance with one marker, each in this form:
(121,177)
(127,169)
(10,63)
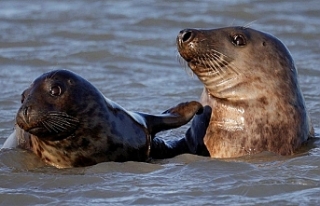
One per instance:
(56,126)
(51,128)
(208,67)
(66,121)
(218,63)
(62,115)
(46,126)
(213,67)
(225,61)
(60,124)
(184,64)
(63,119)
(213,64)
(248,25)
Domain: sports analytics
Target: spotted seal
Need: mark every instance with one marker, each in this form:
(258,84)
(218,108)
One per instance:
(67,122)
(250,82)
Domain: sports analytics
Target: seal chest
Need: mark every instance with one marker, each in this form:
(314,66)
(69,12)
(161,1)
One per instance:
(250,81)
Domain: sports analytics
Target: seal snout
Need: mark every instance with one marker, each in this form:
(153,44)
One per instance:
(187,43)
(23,116)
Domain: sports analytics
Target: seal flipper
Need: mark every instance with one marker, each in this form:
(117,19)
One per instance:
(161,148)
(191,143)
(171,118)
(195,134)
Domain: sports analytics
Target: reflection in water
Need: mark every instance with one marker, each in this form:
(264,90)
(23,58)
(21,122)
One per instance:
(127,50)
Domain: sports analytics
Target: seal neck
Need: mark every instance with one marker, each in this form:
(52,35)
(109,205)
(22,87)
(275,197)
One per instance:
(226,86)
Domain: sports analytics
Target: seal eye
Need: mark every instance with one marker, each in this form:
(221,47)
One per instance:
(238,40)
(55,90)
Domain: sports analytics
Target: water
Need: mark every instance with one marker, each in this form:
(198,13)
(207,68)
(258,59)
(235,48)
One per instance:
(127,50)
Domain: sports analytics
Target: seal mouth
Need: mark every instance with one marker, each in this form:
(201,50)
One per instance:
(36,130)
(52,125)
(212,64)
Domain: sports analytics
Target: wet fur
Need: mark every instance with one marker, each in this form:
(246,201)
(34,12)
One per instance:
(80,127)
(256,101)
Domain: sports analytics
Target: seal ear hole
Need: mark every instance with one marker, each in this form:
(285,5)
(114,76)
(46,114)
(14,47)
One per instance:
(239,40)
(264,43)
(55,90)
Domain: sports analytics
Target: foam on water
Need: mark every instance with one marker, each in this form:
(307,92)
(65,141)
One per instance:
(11,141)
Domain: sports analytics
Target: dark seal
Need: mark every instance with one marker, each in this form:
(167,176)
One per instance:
(250,82)
(67,122)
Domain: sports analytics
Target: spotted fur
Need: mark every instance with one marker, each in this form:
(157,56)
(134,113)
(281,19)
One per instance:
(250,82)
(67,122)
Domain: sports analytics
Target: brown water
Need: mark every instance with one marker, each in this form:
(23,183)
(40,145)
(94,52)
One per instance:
(127,50)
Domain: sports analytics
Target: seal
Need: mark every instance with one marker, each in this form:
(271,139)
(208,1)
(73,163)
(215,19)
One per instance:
(67,122)
(250,82)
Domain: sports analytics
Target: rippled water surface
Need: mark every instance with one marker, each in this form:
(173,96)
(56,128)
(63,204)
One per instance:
(127,50)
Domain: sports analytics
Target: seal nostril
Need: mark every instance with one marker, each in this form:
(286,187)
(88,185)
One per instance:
(186,36)
(26,111)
